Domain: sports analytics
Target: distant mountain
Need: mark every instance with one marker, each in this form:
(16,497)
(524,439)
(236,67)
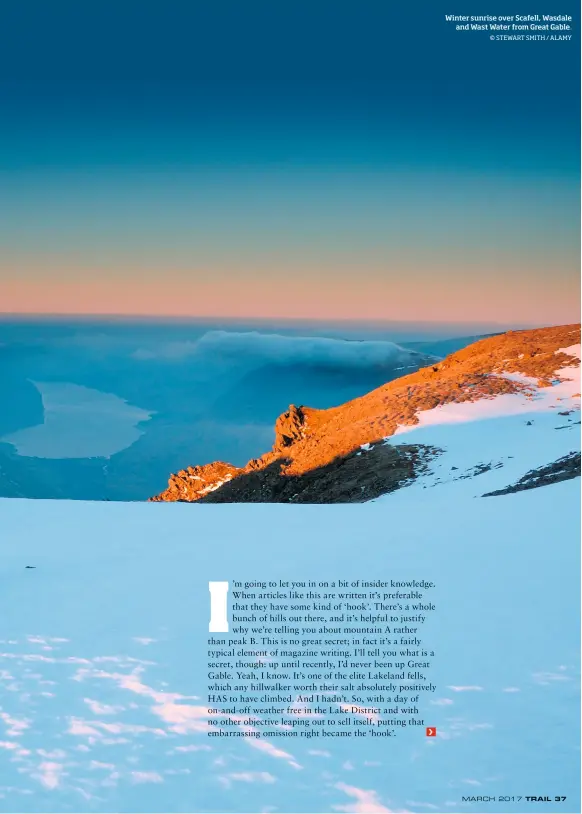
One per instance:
(497,387)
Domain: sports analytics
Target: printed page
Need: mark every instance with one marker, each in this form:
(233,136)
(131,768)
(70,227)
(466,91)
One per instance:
(290,414)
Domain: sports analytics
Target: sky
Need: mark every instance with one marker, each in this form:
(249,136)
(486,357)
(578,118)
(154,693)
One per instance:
(420,192)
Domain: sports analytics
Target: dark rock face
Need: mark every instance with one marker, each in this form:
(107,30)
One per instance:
(315,457)
(563,469)
(360,476)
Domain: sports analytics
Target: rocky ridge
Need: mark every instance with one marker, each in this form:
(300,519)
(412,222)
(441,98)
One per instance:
(316,456)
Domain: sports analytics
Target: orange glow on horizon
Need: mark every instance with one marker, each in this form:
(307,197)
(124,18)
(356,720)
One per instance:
(244,298)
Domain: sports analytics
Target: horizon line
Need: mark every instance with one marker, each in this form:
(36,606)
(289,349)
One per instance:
(250,318)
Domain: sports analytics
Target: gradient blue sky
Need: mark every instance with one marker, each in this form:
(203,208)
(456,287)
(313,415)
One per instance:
(408,193)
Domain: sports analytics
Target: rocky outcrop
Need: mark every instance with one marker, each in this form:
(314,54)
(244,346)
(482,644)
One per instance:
(564,468)
(315,455)
(291,427)
(351,478)
(195,482)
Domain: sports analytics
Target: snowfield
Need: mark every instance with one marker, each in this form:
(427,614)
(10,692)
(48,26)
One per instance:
(103,644)
(499,439)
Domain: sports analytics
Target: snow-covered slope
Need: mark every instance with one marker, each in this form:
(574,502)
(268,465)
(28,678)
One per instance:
(103,644)
(488,445)
(103,654)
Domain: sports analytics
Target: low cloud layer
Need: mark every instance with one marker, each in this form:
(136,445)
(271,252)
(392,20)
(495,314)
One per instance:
(285,350)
